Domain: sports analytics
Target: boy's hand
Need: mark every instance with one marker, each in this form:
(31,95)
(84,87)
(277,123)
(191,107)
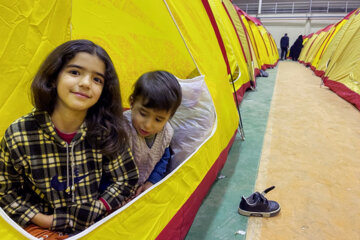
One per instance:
(143,187)
(42,220)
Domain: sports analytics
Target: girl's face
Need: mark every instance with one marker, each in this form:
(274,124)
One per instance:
(79,84)
(147,121)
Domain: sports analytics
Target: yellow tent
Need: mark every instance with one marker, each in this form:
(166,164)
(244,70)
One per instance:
(251,40)
(27,36)
(334,53)
(307,46)
(140,36)
(273,55)
(316,45)
(323,46)
(265,47)
(340,29)
(233,48)
(242,37)
(342,74)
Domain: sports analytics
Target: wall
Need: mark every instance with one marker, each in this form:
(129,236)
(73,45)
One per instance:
(294,25)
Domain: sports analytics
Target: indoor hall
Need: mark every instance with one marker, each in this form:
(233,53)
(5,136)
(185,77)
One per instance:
(257,110)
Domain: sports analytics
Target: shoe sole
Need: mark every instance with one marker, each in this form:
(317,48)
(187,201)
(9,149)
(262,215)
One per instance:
(259,214)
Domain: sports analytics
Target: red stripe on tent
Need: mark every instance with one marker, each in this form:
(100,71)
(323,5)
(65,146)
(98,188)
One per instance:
(240,92)
(256,50)
(271,43)
(307,52)
(327,40)
(350,13)
(232,22)
(328,28)
(245,31)
(217,33)
(253,19)
(343,91)
(309,36)
(267,51)
(319,73)
(180,224)
(318,32)
(257,72)
(266,66)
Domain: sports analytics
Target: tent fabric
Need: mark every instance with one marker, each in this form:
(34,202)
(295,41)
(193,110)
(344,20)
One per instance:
(322,48)
(316,45)
(260,44)
(232,46)
(333,43)
(329,47)
(333,54)
(30,30)
(307,46)
(251,41)
(242,36)
(27,32)
(343,72)
(187,39)
(152,41)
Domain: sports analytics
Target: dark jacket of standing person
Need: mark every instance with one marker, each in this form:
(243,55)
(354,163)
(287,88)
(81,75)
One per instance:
(296,48)
(284,44)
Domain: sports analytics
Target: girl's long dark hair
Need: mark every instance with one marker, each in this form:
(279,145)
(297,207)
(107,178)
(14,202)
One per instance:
(104,120)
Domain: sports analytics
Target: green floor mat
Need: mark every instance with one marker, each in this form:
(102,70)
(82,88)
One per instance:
(217,217)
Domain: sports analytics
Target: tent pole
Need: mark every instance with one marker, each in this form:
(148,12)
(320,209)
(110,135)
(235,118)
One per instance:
(182,37)
(240,128)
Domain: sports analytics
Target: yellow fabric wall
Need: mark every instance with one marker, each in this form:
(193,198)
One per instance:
(323,46)
(333,43)
(270,47)
(344,66)
(233,48)
(318,41)
(162,202)
(264,53)
(139,36)
(242,35)
(30,30)
(253,42)
(27,37)
(307,46)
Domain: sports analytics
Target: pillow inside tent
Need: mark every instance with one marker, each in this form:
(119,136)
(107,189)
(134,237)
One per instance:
(193,121)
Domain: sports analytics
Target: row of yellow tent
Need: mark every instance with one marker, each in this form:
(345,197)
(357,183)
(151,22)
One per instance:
(333,53)
(209,37)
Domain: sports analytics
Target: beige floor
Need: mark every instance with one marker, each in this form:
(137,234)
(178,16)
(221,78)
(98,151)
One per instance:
(311,153)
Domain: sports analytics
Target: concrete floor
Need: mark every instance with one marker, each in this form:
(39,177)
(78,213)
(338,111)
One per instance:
(302,138)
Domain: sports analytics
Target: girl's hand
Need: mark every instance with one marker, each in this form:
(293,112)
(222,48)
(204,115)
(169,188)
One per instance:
(42,220)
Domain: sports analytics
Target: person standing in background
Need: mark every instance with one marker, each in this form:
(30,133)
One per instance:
(284,44)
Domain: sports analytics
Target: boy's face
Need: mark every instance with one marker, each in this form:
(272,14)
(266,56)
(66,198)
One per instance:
(147,121)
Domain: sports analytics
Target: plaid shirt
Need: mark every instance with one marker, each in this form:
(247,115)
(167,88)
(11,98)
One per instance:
(40,172)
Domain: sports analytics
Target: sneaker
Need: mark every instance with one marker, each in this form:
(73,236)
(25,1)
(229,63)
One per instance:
(258,206)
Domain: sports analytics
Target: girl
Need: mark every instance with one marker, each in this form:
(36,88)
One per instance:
(52,159)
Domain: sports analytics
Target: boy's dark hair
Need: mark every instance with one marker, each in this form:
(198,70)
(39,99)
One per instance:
(105,118)
(159,90)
